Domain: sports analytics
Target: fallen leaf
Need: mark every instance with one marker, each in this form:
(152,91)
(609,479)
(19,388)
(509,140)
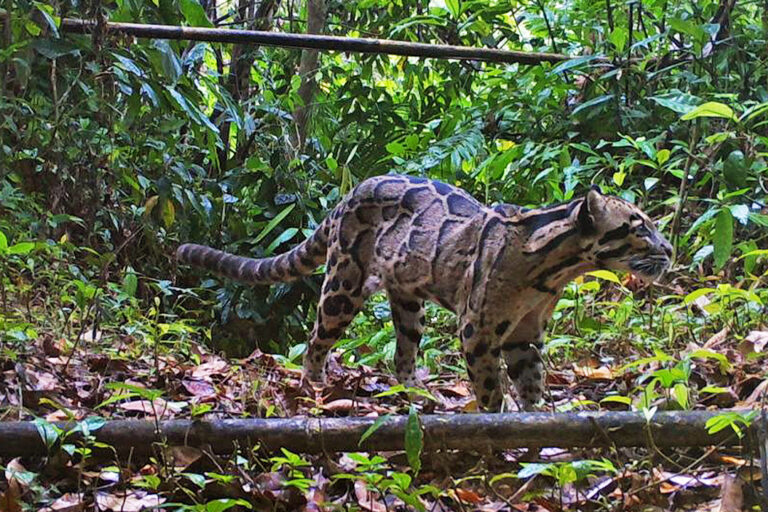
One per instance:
(469,496)
(70,502)
(132,501)
(199,388)
(159,407)
(758,340)
(181,457)
(366,499)
(731,495)
(214,367)
(10,500)
(601,373)
(717,338)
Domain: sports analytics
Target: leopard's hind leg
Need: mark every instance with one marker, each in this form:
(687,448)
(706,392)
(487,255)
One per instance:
(408,319)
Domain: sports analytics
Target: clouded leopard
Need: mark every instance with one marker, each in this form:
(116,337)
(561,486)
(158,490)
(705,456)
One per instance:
(501,269)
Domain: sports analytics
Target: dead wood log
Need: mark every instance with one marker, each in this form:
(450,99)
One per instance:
(454,431)
(318,42)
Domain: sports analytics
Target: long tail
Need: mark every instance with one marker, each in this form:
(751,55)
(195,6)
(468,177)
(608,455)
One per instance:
(300,261)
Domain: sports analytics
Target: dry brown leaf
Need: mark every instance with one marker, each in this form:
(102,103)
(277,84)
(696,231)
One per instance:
(213,367)
(132,501)
(601,373)
(158,407)
(758,340)
(731,495)
(757,395)
(70,502)
(469,496)
(181,457)
(199,388)
(717,338)
(15,471)
(366,499)
(10,500)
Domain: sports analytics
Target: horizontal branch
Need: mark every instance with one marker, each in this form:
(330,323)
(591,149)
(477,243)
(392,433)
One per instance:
(318,42)
(455,431)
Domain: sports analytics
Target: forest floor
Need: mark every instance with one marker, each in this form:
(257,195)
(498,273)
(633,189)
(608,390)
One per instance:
(110,373)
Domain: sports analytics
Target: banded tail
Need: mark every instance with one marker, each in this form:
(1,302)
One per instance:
(300,261)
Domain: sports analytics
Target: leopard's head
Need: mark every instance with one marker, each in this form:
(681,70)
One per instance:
(622,236)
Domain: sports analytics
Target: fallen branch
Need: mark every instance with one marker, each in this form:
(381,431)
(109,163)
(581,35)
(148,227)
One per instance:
(455,431)
(313,41)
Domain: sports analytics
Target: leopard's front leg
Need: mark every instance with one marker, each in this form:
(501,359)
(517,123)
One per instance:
(481,350)
(521,349)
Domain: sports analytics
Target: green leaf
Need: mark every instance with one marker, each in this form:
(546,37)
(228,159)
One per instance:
(593,103)
(454,7)
(48,432)
(130,283)
(534,468)
(606,275)
(723,240)
(281,238)
(373,428)
(194,13)
(274,222)
(619,37)
(395,148)
(680,102)
(711,109)
(3,242)
(414,440)
(21,248)
(617,399)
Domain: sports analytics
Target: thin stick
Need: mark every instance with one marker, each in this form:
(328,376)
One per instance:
(319,42)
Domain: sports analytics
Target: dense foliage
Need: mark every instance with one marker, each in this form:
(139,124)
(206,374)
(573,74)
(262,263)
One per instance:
(113,150)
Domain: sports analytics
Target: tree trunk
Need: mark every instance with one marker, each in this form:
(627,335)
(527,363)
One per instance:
(307,69)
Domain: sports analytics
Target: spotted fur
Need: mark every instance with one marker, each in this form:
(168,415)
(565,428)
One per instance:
(500,269)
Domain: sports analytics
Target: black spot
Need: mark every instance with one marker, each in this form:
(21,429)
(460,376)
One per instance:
(411,306)
(553,243)
(327,288)
(532,364)
(470,359)
(615,234)
(410,334)
(336,305)
(489,383)
(334,284)
(485,399)
(422,320)
(480,349)
(332,260)
(416,180)
(536,376)
(441,188)
(330,334)
(462,206)
(380,191)
(343,264)
(389,212)
(495,351)
(516,369)
(412,200)
(502,327)
(468,331)
(537,221)
(515,345)
(367,214)
(347,284)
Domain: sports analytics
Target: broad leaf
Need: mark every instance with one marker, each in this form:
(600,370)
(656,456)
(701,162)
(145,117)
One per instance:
(723,240)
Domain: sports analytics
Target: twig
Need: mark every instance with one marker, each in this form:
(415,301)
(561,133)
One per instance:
(683,190)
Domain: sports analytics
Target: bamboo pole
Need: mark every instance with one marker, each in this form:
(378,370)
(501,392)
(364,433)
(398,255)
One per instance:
(314,41)
(454,431)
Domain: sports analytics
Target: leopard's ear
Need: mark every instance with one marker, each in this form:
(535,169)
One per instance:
(589,209)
